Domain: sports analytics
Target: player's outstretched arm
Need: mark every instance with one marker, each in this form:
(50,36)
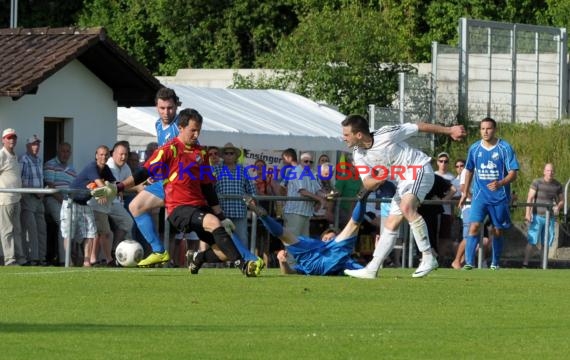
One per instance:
(456,132)
(353,225)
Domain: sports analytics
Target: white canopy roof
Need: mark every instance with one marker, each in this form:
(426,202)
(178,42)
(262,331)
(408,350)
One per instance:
(253,119)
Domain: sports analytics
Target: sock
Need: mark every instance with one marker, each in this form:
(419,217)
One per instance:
(147,229)
(420,231)
(272,225)
(497,249)
(208,256)
(227,246)
(470,249)
(245,253)
(382,249)
(358,212)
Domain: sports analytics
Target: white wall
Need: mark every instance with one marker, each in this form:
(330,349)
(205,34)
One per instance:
(75,93)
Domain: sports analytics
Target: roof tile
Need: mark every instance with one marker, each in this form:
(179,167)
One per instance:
(30,56)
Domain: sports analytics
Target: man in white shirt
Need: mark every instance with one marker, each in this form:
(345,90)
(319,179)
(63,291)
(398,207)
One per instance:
(118,214)
(10,178)
(384,155)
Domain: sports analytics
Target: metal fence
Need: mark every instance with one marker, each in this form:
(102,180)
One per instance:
(511,72)
(414,104)
(407,246)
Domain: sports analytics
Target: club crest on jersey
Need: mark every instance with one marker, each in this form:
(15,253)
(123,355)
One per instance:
(495,156)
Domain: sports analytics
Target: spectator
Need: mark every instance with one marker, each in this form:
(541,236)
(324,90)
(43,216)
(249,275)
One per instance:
(441,190)
(101,209)
(34,236)
(150,149)
(324,176)
(493,164)
(347,185)
(214,155)
(445,219)
(265,185)
(231,179)
(457,229)
(324,158)
(460,252)
(10,208)
(298,182)
(58,174)
(134,164)
(119,216)
(546,190)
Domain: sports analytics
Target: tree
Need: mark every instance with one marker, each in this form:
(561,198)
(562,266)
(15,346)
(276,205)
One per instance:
(52,13)
(166,35)
(130,24)
(347,57)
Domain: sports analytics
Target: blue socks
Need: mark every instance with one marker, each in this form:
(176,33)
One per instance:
(358,212)
(147,228)
(470,248)
(272,225)
(245,253)
(497,249)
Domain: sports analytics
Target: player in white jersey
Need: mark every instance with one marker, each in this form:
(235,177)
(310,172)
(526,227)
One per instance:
(384,155)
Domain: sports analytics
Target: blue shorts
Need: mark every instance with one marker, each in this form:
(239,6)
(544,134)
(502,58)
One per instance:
(157,189)
(536,230)
(315,257)
(499,214)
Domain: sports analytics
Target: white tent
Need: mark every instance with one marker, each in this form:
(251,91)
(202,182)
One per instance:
(253,119)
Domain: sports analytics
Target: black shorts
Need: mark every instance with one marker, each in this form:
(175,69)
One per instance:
(188,218)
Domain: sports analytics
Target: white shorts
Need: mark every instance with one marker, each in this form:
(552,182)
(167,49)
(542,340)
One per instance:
(418,183)
(83,221)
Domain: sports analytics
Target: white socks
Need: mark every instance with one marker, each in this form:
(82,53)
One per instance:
(420,231)
(382,249)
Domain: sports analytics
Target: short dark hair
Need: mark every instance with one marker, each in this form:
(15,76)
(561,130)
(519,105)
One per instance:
(123,143)
(188,115)
(328,231)
(291,153)
(357,124)
(491,120)
(165,93)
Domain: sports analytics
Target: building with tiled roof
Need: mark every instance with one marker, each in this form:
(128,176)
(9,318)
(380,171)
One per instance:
(65,84)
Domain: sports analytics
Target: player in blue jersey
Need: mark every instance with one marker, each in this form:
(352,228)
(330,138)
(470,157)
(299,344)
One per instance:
(152,196)
(329,256)
(490,169)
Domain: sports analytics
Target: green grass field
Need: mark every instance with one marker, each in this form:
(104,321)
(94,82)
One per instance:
(56,313)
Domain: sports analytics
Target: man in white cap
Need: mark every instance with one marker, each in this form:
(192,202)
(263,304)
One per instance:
(10,178)
(34,237)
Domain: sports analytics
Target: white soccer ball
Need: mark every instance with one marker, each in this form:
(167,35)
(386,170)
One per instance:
(129,253)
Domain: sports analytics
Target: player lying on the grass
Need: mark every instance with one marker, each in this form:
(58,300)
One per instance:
(329,256)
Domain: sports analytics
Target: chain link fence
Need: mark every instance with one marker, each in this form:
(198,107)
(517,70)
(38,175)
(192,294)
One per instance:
(512,72)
